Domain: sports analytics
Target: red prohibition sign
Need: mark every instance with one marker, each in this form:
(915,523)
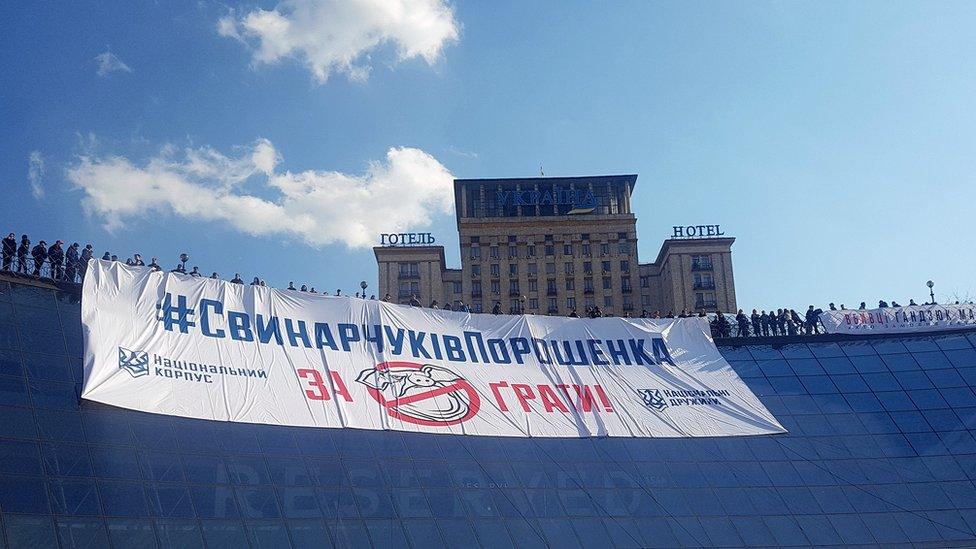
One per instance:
(393,406)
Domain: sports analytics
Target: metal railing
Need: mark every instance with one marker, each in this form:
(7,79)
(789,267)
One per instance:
(44,270)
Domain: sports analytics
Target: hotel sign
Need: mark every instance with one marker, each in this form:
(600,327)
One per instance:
(582,201)
(406,239)
(696,231)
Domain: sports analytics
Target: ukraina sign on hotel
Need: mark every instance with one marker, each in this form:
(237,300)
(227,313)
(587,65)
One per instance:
(170,344)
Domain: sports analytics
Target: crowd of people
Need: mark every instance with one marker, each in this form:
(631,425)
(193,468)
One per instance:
(68,264)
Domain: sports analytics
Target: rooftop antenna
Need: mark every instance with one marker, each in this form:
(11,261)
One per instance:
(541,173)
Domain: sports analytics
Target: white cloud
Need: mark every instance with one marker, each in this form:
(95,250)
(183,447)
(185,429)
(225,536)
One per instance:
(337,35)
(401,192)
(108,62)
(35,173)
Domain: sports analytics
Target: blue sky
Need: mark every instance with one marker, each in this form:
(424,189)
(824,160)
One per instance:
(835,140)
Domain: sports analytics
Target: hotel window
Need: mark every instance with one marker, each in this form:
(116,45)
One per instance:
(496,287)
(552,305)
(589,302)
(475,270)
(623,247)
(570,284)
(550,268)
(494,252)
(585,237)
(513,269)
(586,250)
(569,267)
(550,250)
(567,249)
(570,302)
(608,301)
(703,281)
(533,269)
(511,238)
(476,287)
(588,285)
(457,286)
(645,300)
(588,267)
(704,300)
(476,307)
(530,251)
(628,303)
(604,249)
(533,302)
(533,285)
(625,266)
(551,286)
(645,281)
(607,283)
(513,287)
(409,289)
(701,262)
(512,251)
(625,284)
(605,266)
(475,252)
(495,270)
(409,270)
(621,236)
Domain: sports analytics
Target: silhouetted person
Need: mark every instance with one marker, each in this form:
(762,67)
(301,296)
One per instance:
(237,279)
(756,322)
(9,249)
(86,256)
(256,282)
(463,308)
(291,286)
(137,261)
(882,304)
(764,323)
(106,257)
(22,251)
(388,298)
(573,314)
(154,265)
(195,273)
(179,269)
(795,323)
(304,288)
(414,302)
(863,306)
(811,320)
(496,309)
(743,321)
(55,255)
(71,262)
(911,303)
(39,253)
(832,308)
(215,276)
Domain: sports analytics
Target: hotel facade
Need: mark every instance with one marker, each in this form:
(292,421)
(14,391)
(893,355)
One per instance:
(551,245)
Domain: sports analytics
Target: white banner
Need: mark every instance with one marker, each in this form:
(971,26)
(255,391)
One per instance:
(194,347)
(898,320)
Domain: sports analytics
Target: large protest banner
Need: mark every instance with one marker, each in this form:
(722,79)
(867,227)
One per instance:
(171,344)
(900,320)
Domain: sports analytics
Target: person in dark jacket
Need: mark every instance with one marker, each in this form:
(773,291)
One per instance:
(764,323)
(237,279)
(86,256)
(743,321)
(22,251)
(496,309)
(794,323)
(55,254)
(39,253)
(256,282)
(71,262)
(9,249)
(811,321)
(756,323)
(414,301)
(106,257)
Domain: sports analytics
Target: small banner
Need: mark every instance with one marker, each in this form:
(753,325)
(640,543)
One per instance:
(171,344)
(900,320)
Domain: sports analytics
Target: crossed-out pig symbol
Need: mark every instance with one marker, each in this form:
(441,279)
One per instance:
(426,393)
